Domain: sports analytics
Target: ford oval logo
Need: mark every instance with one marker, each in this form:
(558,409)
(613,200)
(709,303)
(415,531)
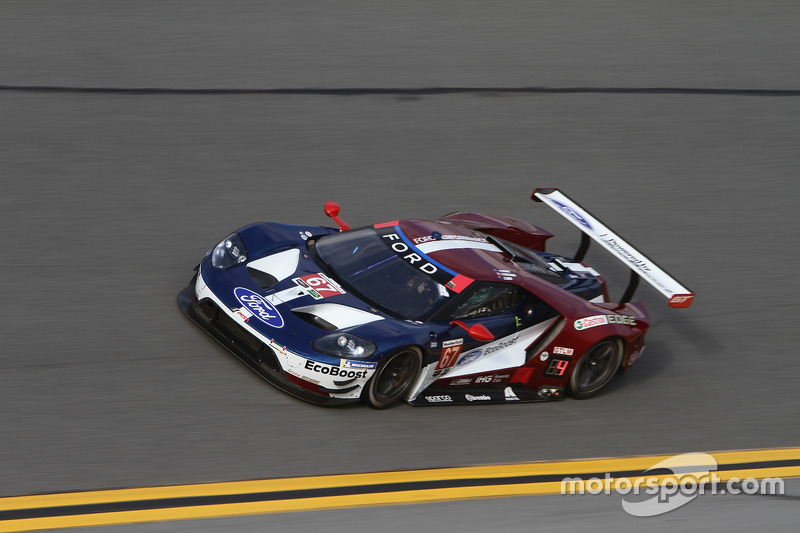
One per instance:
(260,307)
(574,215)
(470,357)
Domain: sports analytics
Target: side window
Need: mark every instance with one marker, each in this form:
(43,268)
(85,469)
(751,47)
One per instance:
(488,299)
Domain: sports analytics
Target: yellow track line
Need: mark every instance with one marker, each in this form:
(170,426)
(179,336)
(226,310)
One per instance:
(377,498)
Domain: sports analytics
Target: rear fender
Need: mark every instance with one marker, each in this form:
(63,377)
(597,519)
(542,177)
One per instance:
(628,322)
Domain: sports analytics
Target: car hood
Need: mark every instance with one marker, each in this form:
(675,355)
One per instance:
(290,296)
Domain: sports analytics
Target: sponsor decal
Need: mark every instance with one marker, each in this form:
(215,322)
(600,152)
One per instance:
(622,319)
(574,215)
(634,357)
(440,237)
(681,300)
(590,322)
(461,381)
(470,356)
(450,351)
(319,285)
(602,320)
(563,351)
(305,235)
(543,356)
(492,378)
(305,378)
(334,370)
(442,398)
(629,256)
(243,313)
(501,345)
(259,307)
(478,398)
(509,394)
(349,363)
(405,252)
(505,275)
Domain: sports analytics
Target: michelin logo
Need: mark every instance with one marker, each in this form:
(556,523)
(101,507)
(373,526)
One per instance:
(348,363)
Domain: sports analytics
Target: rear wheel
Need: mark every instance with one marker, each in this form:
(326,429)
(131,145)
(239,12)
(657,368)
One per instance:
(596,368)
(393,378)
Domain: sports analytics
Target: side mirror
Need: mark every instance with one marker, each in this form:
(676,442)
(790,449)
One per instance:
(476,331)
(332,210)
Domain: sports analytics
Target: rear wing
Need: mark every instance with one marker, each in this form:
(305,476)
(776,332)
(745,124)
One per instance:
(640,264)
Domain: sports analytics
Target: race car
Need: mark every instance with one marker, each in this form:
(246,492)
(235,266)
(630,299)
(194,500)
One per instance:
(466,309)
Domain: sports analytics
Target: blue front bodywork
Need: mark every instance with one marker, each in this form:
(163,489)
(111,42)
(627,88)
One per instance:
(297,335)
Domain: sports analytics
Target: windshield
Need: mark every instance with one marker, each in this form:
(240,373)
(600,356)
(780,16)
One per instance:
(366,264)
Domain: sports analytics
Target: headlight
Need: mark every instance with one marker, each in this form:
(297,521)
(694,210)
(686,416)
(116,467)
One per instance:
(344,345)
(229,252)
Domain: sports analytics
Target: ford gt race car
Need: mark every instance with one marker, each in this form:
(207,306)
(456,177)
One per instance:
(466,309)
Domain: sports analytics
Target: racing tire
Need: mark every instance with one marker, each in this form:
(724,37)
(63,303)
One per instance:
(393,378)
(596,368)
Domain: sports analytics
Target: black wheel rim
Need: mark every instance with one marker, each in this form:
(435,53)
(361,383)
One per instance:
(395,376)
(597,366)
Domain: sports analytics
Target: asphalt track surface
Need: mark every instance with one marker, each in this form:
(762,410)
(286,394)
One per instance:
(110,197)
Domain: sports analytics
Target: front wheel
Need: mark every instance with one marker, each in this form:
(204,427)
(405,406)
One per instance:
(393,378)
(596,368)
